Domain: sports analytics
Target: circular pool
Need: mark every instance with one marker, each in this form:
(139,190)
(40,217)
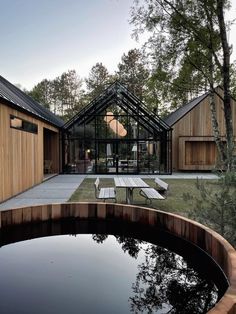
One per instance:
(111,258)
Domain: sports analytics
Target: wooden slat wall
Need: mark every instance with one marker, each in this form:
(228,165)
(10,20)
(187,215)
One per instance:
(197,123)
(21,154)
(51,149)
(196,153)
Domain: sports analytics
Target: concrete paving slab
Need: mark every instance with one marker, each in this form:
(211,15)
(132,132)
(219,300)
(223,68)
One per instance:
(55,190)
(180,175)
(15,203)
(67,178)
(59,186)
(47,193)
(177,175)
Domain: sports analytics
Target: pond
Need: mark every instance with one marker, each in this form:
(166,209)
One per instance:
(70,266)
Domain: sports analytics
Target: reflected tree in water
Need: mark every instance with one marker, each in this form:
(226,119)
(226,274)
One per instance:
(165,281)
(130,245)
(99,238)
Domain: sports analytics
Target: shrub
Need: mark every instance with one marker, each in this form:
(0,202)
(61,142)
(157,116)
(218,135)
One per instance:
(216,207)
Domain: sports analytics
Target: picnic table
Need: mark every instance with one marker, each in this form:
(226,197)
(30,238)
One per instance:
(130,184)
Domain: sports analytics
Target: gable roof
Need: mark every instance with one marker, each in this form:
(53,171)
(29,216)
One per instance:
(119,94)
(14,97)
(182,111)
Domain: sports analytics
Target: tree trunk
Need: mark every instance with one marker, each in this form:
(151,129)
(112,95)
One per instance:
(226,85)
(215,127)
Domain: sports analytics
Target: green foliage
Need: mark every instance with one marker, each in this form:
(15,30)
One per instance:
(133,72)
(155,93)
(188,42)
(63,95)
(67,92)
(98,80)
(233,80)
(184,41)
(228,179)
(216,205)
(42,93)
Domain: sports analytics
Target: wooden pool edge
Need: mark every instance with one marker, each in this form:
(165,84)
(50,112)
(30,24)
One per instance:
(205,238)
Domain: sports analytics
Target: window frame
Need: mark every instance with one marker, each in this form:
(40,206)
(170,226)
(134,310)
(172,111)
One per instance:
(26,125)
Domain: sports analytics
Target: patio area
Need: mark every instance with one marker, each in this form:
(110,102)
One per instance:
(60,188)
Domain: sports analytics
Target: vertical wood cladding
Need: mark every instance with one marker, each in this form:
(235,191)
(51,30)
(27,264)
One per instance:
(22,153)
(193,146)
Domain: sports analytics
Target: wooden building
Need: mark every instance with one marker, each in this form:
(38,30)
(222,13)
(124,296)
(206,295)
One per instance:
(29,136)
(193,146)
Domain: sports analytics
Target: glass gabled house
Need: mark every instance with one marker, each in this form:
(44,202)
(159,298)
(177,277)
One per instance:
(116,134)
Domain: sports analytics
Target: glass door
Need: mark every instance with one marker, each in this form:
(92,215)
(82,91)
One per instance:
(127,157)
(106,161)
(116,157)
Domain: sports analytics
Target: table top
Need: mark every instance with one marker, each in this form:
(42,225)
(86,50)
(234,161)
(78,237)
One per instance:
(130,183)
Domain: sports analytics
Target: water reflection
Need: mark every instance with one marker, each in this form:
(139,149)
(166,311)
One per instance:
(165,283)
(99,238)
(130,245)
(117,268)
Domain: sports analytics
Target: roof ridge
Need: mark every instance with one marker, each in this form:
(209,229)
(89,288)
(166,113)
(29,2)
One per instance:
(17,97)
(122,96)
(176,115)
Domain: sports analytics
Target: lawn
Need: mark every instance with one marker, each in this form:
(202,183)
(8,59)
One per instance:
(173,203)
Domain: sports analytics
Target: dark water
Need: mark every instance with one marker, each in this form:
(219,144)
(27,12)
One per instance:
(107,272)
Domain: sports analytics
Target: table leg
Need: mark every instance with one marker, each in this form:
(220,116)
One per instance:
(129,195)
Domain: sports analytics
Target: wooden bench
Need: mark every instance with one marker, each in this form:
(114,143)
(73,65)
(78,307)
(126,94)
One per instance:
(161,186)
(151,194)
(104,193)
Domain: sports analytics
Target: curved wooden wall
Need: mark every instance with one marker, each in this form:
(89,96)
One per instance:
(211,242)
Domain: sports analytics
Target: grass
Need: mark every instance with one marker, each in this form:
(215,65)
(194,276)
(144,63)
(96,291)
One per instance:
(173,203)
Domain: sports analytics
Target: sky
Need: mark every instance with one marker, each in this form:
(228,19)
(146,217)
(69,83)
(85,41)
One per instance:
(44,38)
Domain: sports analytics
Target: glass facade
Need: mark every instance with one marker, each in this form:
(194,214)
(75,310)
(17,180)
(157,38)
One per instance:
(116,135)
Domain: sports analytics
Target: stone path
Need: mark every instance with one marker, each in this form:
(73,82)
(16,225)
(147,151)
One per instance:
(55,190)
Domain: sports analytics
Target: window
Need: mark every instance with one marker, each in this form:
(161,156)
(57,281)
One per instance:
(20,124)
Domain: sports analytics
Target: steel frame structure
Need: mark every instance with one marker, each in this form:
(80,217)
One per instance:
(89,145)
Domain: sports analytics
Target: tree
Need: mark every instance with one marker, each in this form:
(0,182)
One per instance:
(63,95)
(68,92)
(216,205)
(98,80)
(133,72)
(188,42)
(42,92)
(154,94)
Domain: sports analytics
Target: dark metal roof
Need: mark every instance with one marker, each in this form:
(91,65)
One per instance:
(119,94)
(182,111)
(14,96)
